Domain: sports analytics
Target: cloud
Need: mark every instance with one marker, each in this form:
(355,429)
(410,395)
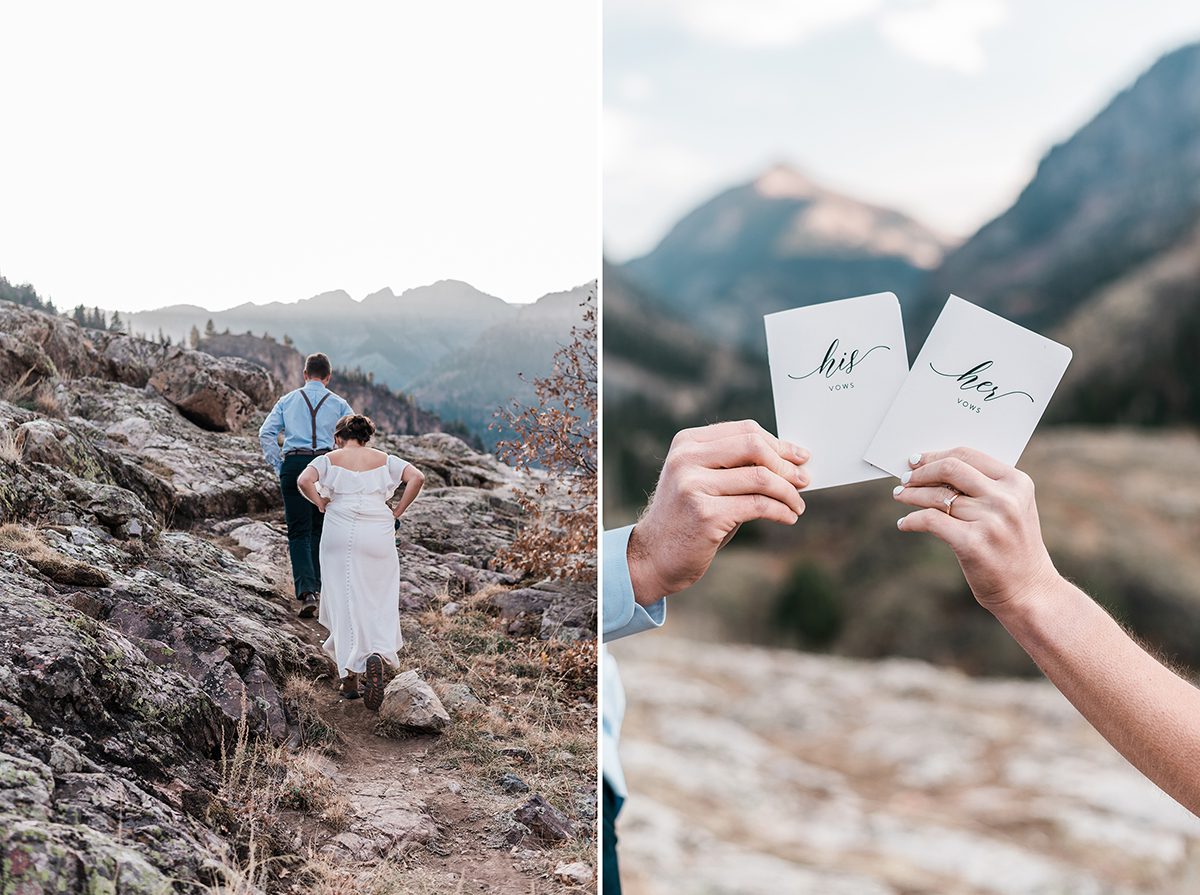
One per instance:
(749,23)
(940,33)
(943,33)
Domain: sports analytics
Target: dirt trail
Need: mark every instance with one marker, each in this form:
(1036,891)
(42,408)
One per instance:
(408,803)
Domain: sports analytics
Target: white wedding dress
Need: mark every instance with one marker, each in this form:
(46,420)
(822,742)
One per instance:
(360,569)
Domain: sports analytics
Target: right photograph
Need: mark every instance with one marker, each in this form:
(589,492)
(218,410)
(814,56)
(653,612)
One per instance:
(901,448)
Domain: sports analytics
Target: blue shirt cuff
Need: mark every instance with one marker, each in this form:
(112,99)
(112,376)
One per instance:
(622,614)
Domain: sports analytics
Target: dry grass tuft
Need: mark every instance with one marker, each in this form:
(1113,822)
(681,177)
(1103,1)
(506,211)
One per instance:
(45,401)
(9,452)
(259,780)
(24,541)
(300,697)
(37,395)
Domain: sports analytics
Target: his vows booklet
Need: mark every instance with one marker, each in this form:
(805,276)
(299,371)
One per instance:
(980,381)
(835,368)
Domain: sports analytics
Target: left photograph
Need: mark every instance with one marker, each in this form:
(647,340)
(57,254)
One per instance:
(298,430)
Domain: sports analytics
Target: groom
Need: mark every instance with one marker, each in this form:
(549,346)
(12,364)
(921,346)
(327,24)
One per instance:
(306,416)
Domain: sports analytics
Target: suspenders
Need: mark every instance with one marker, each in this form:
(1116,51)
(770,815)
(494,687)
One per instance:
(313,410)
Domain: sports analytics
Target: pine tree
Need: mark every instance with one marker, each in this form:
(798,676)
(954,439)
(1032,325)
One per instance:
(194,337)
(79,315)
(209,329)
(287,340)
(116,326)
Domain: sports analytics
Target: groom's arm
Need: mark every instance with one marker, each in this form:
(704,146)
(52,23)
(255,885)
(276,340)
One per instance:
(268,436)
(623,615)
(713,479)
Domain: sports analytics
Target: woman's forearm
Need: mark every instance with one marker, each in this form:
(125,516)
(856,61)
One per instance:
(1147,712)
(412,487)
(309,490)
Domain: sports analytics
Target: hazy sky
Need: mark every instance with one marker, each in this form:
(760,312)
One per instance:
(940,108)
(154,153)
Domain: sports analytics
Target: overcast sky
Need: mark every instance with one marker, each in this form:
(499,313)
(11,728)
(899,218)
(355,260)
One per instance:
(940,108)
(155,153)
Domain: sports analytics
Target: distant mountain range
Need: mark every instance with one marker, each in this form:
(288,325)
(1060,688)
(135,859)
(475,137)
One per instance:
(1101,250)
(458,351)
(395,413)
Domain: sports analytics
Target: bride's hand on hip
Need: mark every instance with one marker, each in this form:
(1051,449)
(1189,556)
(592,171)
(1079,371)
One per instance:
(985,511)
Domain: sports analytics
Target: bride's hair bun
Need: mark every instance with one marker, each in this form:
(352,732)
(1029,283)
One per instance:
(355,427)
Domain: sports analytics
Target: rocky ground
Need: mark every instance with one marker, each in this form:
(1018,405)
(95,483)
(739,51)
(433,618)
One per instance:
(768,771)
(168,725)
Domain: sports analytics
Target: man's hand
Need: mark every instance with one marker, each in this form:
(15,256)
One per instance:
(713,479)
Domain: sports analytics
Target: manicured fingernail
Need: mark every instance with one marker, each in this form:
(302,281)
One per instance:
(914,459)
(896,491)
(900,522)
(904,478)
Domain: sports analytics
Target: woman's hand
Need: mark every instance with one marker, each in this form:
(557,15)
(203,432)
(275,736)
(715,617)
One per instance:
(992,525)
(321,503)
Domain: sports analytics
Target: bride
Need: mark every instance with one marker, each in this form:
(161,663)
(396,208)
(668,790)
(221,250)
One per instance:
(360,570)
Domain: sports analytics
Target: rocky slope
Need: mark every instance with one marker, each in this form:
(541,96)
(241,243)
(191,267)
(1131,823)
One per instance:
(1099,251)
(1121,190)
(161,707)
(760,771)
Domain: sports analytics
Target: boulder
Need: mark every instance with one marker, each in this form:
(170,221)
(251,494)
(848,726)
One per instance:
(410,704)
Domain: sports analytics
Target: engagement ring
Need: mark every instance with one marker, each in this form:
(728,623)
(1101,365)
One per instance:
(949,502)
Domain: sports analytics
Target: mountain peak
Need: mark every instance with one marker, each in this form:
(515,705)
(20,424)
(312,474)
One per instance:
(381,296)
(785,181)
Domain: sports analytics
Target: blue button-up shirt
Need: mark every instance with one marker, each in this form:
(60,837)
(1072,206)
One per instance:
(622,616)
(292,417)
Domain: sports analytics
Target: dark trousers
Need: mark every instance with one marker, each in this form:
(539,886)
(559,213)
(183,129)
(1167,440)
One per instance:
(304,524)
(612,807)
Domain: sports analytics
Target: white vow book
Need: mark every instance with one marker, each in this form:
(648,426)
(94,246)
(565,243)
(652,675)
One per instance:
(835,368)
(980,381)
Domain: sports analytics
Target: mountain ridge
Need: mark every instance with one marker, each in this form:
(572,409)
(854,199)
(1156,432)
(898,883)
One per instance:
(780,241)
(404,341)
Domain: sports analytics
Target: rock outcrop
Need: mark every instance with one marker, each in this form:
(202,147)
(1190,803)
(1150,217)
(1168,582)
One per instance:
(145,614)
(220,394)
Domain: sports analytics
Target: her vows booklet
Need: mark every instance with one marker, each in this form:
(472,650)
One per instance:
(980,381)
(835,368)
